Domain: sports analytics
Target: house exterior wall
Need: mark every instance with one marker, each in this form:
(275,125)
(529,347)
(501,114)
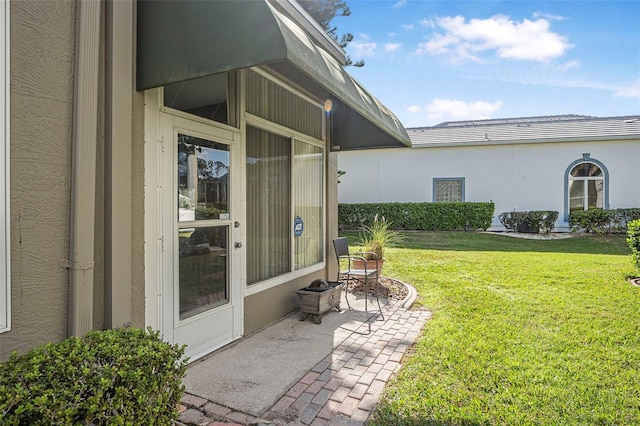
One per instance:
(43,52)
(43,55)
(516,177)
(41,126)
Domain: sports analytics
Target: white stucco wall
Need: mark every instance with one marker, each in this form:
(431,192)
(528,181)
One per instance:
(515,177)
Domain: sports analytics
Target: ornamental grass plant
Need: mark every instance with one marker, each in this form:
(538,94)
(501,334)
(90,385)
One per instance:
(524,332)
(378,236)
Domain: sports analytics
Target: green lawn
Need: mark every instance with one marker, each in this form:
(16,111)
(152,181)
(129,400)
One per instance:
(524,332)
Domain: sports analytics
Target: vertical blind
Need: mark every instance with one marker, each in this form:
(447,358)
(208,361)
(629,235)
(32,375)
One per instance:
(268,205)
(269,100)
(308,165)
(285,180)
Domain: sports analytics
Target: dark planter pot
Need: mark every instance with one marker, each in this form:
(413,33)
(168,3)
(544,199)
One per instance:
(316,301)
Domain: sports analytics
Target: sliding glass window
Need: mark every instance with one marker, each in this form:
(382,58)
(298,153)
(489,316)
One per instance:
(280,220)
(285,180)
(269,227)
(308,201)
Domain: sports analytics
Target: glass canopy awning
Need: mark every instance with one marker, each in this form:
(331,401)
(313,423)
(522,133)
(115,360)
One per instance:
(182,40)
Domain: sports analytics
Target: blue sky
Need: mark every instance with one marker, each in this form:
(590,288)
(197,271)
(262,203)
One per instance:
(436,61)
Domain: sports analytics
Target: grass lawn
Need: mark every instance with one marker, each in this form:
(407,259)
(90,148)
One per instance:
(524,332)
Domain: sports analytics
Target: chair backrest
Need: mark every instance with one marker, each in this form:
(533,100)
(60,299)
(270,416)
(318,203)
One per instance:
(342,246)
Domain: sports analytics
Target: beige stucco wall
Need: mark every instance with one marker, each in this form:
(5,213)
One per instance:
(42,86)
(42,65)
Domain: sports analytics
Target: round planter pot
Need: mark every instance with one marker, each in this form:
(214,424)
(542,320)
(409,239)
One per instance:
(371,266)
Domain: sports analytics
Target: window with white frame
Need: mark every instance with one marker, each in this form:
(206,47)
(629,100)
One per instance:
(5,258)
(285,180)
(586,187)
(448,189)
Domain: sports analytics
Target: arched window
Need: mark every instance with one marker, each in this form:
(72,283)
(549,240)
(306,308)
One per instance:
(586,185)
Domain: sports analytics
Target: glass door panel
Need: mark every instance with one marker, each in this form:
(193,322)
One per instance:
(202,232)
(203,200)
(203,179)
(203,269)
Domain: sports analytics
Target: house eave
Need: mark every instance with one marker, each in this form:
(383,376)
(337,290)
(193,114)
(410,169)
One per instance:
(608,138)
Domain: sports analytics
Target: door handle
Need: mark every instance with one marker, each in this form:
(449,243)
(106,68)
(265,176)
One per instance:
(237,244)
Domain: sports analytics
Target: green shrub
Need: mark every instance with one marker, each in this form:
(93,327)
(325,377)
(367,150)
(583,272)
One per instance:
(603,221)
(418,216)
(203,213)
(531,221)
(633,238)
(513,220)
(117,377)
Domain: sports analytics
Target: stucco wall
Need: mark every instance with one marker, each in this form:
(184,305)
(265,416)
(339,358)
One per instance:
(516,177)
(42,65)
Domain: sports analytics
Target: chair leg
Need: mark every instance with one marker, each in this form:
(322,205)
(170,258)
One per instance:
(378,297)
(346,291)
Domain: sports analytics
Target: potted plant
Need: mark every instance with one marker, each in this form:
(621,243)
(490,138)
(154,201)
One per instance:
(375,239)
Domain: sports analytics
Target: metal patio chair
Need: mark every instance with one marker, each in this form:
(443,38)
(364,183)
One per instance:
(347,273)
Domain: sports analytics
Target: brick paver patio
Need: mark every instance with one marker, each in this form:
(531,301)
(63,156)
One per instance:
(342,389)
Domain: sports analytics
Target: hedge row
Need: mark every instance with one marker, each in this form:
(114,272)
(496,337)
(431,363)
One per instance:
(633,238)
(603,221)
(118,377)
(418,216)
(532,221)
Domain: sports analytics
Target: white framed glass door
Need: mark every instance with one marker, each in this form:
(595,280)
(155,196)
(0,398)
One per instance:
(202,235)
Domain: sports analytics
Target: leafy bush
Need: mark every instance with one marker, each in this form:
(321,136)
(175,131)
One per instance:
(513,220)
(603,221)
(633,238)
(203,213)
(531,221)
(418,216)
(117,377)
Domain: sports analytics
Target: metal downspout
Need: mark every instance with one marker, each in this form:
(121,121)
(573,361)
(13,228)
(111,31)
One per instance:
(83,175)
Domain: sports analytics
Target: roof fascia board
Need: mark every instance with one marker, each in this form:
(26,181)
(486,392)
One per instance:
(608,138)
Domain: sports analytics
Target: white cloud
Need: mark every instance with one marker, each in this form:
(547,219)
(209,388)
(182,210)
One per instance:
(392,47)
(363,49)
(548,16)
(414,109)
(454,110)
(630,91)
(508,39)
(429,23)
(408,26)
(391,34)
(621,90)
(400,3)
(567,66)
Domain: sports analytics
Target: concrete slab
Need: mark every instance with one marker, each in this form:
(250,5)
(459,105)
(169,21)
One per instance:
(252,374)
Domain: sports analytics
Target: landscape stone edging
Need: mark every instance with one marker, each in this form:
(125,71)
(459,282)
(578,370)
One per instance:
(410,298)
